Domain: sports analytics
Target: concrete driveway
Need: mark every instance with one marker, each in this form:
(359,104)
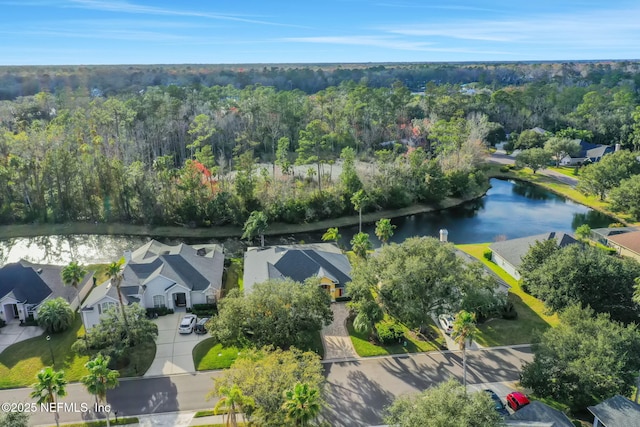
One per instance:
(174,351)
(13,333)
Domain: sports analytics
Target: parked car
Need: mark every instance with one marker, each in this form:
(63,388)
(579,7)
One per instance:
(446,322)
(187,324)
(200,327)
(500,408)
(517,400)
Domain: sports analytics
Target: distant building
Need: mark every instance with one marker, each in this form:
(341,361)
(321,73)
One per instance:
(627,244)
(589,153)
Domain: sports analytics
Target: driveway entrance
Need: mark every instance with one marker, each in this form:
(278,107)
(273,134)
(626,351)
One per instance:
(174,351)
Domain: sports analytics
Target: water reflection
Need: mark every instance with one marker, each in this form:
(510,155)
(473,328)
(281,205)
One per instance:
(510,209)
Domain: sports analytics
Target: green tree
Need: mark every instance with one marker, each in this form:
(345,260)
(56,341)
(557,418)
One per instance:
(298,309)
(572,133)
(314,146)
(55,315)
(282,155)
(256,225)
(601,177)
(464,332)
(584,360)
(359,201)
(587,275)
(530,139)
(368,314)
(537,254)
(72,275)
(410,286)
(265,375)
(114,271)
(349,177)
(561,147)
(233,401)
(360,245)
(583,232)
(302,404)
(534,158)
(331,235)
(14,419)
(626,197)
(384,230)
(100,379)
(444,405)
(49,387)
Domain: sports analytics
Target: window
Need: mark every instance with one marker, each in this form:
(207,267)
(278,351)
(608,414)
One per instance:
(105,306)
(158,301)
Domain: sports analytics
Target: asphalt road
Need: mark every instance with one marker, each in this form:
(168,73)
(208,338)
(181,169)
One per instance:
(357,393)
(505,159)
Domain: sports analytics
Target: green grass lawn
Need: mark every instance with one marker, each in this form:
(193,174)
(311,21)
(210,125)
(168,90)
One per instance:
(532,318)
(20,363)
(366,348)
(233,276)
(100,272)
(565,170)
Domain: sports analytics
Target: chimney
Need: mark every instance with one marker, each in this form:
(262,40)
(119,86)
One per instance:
(618,147)
(444,235)
(127,256)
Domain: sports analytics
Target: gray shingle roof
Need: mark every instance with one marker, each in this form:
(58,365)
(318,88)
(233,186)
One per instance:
(617,411)
(99,293)
(298,262)
(25,283)
(538,412)
(513,250)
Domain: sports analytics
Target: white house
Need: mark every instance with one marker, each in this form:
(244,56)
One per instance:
(159,275)
(25,286)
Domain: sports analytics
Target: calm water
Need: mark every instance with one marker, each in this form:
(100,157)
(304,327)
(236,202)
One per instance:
(512,209)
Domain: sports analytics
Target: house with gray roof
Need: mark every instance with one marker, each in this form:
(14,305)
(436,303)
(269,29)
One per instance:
(159,275)
(601,235)
(24,286)
(298,262)
(617,411)
(589,153)
(537,414)
(508,253)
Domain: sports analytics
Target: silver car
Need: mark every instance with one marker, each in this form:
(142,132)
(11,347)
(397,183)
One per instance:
(187,324)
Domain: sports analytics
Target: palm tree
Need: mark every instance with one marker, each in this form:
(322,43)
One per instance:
(360,244)
(464,330)
(114,271)
(302,404)
(233,401)
(256,225)
(384,230)
(358,200)
(100,379)
(55,315)
(369,313)
(331,235)
(51,385)
(72,274)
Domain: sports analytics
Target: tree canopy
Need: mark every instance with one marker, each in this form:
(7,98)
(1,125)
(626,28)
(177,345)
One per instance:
(282,313)
(534,158)
(55,315)
(587,358)
(444,405)
(266,375)
(601,177)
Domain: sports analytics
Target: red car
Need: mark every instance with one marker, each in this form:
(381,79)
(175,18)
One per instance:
(517,400)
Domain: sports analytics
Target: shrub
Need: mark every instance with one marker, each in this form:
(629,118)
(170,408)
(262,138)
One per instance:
(2,323)
(343,298)
(389,332)
(504,169)
(55,315)
(487,254)
(509,311)
(160,311)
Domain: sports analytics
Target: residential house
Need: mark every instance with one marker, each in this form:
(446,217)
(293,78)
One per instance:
(601,235)
(617,411)
(24,286)
(159,275)
(537,414)
(298,262)
(589,153)
(627,244)
(508,253)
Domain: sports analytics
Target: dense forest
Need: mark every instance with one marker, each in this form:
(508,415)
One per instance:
(206,145)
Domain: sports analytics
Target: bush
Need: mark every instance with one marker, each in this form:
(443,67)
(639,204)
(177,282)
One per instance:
(487,254)
(509,311)
(343,298)
(158,311)
(2,323)
(389,332)
(504,169)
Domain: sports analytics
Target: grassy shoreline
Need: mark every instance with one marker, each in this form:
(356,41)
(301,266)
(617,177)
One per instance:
(219,232)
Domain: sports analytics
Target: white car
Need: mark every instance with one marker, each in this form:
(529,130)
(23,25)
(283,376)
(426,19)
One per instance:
(187,324)
(446,322)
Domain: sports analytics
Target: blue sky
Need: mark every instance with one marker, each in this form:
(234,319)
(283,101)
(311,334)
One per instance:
(41,32)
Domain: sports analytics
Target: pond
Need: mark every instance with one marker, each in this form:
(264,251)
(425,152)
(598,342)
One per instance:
(510,209)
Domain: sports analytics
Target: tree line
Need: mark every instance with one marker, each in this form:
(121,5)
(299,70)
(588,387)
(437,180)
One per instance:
(198,155)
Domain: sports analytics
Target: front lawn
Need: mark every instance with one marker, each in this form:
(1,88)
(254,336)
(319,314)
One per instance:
(365,348)
(569,171)
(233,276)
(20,363)
(532,318)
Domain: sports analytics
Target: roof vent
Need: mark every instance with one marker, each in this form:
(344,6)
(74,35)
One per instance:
(39,271)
